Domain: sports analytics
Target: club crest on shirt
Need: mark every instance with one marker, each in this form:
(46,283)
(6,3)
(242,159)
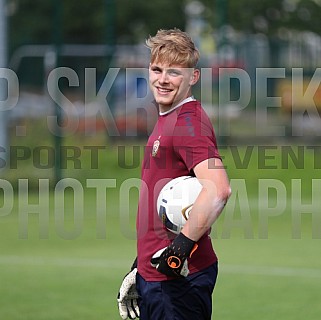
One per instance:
(156,145)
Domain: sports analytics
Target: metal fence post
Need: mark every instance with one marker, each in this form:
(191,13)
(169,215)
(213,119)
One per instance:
(57,40)
(3,64)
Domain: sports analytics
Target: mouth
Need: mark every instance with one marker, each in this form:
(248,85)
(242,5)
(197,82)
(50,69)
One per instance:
(163,91)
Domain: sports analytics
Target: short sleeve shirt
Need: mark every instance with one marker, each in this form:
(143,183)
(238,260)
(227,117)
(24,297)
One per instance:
(180,140)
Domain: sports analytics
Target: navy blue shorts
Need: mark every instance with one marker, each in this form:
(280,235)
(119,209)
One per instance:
(180,299)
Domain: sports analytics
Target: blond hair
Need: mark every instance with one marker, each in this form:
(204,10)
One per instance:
(173,47)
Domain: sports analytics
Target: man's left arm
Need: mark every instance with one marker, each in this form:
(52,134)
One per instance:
(212,199)
(216,190)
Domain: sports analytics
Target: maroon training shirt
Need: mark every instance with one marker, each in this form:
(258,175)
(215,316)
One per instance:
(181,139)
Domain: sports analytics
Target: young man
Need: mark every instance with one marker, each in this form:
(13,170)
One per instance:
(182,143)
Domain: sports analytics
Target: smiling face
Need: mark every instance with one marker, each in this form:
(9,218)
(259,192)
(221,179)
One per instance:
(171,84)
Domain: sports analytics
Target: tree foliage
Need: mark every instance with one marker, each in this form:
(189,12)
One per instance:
(269,16)
(32,21)
(137,19)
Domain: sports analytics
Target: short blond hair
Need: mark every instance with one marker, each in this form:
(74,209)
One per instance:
(173,46)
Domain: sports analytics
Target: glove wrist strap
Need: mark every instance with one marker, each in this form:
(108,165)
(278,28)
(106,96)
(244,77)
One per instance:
(185,244)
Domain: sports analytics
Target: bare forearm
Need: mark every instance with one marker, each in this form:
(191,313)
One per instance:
(204,213)
(212,199)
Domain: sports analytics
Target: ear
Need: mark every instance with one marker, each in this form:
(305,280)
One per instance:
(194,77)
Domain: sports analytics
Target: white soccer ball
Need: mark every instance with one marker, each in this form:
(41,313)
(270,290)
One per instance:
(175,201)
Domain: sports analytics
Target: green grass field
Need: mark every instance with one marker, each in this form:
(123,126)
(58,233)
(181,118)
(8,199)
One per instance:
(61,265)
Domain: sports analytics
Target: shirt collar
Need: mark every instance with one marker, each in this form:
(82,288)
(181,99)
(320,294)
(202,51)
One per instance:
(191,98)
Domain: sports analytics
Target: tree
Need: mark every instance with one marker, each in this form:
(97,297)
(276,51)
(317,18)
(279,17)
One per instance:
(137,19)
(269,16)
(32,22)
(85,21)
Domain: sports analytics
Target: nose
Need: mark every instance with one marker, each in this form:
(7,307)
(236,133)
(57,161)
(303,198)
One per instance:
(163,77)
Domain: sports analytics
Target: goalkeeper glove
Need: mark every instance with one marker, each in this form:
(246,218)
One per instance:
(172,260)
(128,296)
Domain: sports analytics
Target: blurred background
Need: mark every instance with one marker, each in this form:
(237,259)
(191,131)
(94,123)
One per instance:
(108,36)
(261,88)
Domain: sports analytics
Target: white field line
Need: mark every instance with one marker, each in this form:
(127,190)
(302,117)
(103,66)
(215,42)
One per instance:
(119,264)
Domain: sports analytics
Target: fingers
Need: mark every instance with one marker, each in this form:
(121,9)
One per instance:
(185,271)
(133,310)
(155,258)
(136,308)
(123,311)
(163,267)
(127,297)
(128,309)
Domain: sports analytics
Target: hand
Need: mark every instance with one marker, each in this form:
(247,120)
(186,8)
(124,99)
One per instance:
(127,297)
(172,260)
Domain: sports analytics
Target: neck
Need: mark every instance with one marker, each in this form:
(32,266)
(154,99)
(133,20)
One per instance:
(164,111)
